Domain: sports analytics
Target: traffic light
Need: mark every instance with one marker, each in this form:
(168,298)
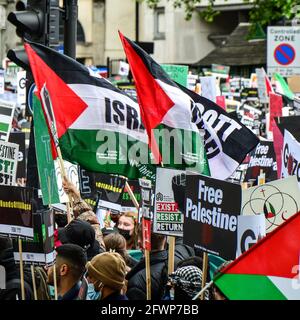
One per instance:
(37,21)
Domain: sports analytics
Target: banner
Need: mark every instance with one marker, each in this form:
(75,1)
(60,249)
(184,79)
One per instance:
(277,200)
(16,211)
(290,156)
(7,110)
(40,250)
(262,158)
(19,139)
(211,212)
(251,229)
(21,87)
(8,163)
(169,202)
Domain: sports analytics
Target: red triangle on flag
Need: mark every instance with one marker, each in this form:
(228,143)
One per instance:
(66,104)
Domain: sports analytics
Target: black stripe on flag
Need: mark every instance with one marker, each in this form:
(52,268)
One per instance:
(5,111)
(71,71)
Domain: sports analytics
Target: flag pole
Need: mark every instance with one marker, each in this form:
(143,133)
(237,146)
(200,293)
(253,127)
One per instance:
(204,273)
(147,252)
(21,269)
(64,175)
(203,290)
(33,282)
(55,281)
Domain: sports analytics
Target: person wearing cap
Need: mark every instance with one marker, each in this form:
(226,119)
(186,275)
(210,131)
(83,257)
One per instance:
(81,233)
(83,211)
(107,272)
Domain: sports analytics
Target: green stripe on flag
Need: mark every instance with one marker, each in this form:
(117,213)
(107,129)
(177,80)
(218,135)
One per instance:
(248,287)
(4,126)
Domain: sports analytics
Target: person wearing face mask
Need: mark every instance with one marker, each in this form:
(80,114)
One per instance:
(107,272)
(127,227)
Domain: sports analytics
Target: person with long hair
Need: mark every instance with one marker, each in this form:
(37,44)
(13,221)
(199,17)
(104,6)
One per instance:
(128,228)
(116,242)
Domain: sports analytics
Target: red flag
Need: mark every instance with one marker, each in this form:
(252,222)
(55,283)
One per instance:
(275,108)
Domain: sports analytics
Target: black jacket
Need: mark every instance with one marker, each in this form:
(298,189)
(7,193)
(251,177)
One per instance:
(136,288)
(182,252)
(13,287)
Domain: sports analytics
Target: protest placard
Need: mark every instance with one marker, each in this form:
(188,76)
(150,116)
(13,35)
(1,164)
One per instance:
(16,211)
(277,200)
(7,110)
(126,202)
(19,139)
(290,156)
(251,229)
(146,211)
(169,202)
(208,88)
(262,158)
(39,250)
(177,73)
(8,163)
(211,211)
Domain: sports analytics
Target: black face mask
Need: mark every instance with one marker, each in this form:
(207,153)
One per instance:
(125,233)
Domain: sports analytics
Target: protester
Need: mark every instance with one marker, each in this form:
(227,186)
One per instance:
(127,226)
(216,293)
(187,282)
(136,288)
(81,233)
(70,267)
(107,272)
(182,251)
(12,274)
(117,243)
(83,211)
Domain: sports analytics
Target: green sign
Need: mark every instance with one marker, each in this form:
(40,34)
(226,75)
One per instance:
(177,73)
(45,163)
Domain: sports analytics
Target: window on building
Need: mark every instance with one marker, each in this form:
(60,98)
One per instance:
(159,24)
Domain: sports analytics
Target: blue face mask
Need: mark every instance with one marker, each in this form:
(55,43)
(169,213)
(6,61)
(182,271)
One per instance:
(92,294)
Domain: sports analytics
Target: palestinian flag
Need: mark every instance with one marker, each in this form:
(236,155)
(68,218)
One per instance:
(95,124)
(282,87)
(267,271)
(167,104)
(166,112)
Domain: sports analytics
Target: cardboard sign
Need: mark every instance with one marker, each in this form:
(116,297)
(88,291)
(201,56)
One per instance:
(8,163)
(126,203)
(208,88)
(211,212)
(277,200)
(169,202)
(146,213)
(107,187)
(261,85)
(290,156)
(19,139)
(7,110)
(220,71)
(262,158)
(21,87)
(177,73)
(251,229)
(16,211)
(40,250)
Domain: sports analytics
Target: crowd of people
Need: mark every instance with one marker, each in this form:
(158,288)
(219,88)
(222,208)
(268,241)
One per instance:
(105,264)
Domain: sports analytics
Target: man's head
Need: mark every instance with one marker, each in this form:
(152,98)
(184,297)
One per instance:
(81,233)
(107,269)
(70,264)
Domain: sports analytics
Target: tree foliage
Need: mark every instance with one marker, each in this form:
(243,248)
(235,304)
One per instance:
(264,12)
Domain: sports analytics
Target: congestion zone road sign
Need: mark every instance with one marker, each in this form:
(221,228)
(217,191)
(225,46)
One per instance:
(284,54)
